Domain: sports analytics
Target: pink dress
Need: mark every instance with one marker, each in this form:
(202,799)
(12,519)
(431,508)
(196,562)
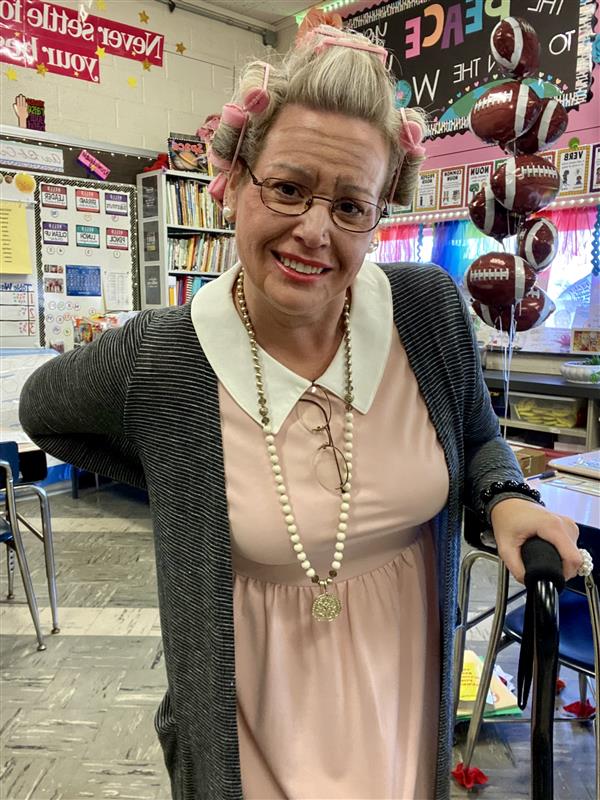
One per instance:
(348,708)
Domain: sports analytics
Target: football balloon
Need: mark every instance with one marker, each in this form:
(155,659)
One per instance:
(515,47)
(499,279)
(525,184)
(537,242)
(532,311)
(504,113)
(490,216)
(548,127)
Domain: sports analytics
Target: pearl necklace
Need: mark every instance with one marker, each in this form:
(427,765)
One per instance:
(326,606)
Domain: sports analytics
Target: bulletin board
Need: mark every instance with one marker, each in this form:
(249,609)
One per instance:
(86,253)
(19,319)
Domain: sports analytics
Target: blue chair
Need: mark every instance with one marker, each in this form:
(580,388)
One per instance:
(577,642)
(17,481)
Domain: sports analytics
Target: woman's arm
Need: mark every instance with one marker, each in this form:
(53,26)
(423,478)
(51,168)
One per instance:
(74,407)
(488,458)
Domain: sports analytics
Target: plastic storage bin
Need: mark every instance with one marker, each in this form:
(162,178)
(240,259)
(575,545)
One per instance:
(553,412)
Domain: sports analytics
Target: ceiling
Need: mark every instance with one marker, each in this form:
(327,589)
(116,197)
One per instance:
(263,15)
(271,12)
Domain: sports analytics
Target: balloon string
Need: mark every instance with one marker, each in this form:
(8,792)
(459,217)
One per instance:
(507,354)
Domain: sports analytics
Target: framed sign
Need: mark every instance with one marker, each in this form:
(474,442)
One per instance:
(585,340)
(452,188)
(573,167)
(427,190)
(477,176)
(595,171)
(442,59)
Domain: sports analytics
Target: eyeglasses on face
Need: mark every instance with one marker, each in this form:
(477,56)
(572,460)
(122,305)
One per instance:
(293,199)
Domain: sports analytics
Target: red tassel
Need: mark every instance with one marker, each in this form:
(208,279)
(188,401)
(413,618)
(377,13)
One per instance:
(560,685)
(581,710)
(469,777)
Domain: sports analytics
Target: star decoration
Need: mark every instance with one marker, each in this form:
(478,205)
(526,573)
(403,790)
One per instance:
(100,52)
(146,64)
(132,82)
(42,69)
(11,74)
(144,17)
(181,48)
(17,34)
(100,5)
(75,73)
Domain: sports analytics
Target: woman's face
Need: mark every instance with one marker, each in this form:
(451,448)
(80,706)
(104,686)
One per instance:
(334,156)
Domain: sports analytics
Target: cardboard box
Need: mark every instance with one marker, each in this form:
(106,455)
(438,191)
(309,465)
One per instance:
(532,462)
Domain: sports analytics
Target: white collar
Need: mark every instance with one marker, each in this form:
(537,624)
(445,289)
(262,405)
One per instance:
(224,340)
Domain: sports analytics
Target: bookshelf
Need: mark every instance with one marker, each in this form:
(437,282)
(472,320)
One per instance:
(183,239)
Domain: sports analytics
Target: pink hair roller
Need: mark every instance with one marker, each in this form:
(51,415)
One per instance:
(216,188)
(410,136)
(256,101)
(233,115)
(218,162)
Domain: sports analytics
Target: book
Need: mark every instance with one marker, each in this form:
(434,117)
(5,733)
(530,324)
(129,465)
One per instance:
(187,153)
(500,701)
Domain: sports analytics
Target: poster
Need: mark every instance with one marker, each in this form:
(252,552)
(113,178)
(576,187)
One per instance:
(585,340)
(18,303)
(117,239)
(15,258)
(150,197)
(442,60)
(451,188)
(84,281)
(117,295)
(116,204)
(187,153)
(573,167)
(427,191)
(37,158)
(87,200)
(87,236)
(66,40)
(151,241)
(595,171)
(53,196)
(152,284)
(55,233)
(477,176)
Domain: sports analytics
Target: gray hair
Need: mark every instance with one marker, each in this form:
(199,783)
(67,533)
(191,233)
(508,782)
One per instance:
(344,80)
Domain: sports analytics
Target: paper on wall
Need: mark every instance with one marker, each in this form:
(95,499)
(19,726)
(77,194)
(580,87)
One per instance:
(15,257)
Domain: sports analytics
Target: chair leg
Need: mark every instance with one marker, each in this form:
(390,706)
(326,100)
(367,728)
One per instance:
(488,665)
(10,569)
(48,553)
(464,590)
(583,688)
(594,603)
(27,583)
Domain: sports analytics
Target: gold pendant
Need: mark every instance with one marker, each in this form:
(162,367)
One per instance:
(326,607)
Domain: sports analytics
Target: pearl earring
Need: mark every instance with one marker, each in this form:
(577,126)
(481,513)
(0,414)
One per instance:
(228,213)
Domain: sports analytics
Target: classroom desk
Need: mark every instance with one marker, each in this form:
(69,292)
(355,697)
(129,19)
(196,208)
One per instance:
(582,507)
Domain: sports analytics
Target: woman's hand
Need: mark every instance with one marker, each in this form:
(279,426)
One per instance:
(514,521)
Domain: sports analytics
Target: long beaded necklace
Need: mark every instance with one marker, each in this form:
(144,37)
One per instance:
(326,606)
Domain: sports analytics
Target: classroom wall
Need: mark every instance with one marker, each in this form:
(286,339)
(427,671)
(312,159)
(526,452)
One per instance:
(176,97)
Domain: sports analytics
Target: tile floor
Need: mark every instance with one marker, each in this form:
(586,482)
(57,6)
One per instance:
(76,719)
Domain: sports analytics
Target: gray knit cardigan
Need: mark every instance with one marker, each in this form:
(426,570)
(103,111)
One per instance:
(141,405)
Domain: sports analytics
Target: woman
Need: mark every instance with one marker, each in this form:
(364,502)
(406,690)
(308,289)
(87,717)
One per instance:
(308,429)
